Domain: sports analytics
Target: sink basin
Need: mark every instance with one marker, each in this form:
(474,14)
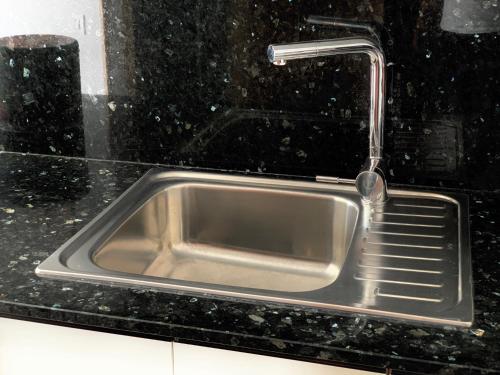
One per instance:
(294,242)
(226,235)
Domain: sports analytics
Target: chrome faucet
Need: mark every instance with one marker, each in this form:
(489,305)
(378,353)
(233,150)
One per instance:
(370,182)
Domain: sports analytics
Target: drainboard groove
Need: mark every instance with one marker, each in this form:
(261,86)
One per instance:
(380,280)
(414,298)
(401,269)
(406,224)
(406,245)
(407,234)
(419,206)
(402,256)
(410,215)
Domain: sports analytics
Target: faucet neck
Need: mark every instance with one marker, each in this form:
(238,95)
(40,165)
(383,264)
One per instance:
(280,54)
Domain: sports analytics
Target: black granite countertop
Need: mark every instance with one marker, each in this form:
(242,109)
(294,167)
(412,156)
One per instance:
(45,200)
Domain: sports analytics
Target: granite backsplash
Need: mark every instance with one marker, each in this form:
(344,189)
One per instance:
(188,83)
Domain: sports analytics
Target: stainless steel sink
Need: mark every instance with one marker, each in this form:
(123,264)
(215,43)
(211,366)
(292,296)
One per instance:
(306,243)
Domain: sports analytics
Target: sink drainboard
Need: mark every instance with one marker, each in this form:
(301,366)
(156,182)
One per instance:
(410,252)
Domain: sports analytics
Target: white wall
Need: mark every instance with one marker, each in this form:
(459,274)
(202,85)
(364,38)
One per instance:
(79,19)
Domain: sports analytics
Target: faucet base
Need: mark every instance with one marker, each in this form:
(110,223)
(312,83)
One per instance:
(371,183)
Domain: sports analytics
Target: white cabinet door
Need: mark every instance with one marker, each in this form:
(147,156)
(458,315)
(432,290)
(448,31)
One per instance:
(194,360)
(31,348)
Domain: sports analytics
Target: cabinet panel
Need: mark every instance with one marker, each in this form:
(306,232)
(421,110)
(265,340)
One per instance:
(31,348)
(191,360)
(27,348)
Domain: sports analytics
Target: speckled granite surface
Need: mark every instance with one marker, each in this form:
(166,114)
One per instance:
(188,83)
(45,200)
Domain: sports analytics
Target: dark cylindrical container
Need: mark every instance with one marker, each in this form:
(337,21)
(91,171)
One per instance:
(40,95)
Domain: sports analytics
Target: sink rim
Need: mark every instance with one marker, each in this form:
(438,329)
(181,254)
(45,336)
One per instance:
(55,266)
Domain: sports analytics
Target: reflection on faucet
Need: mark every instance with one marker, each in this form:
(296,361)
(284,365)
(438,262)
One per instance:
(344,23)
(370,182)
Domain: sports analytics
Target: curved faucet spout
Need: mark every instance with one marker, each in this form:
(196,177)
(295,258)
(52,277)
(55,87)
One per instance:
(280,53)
